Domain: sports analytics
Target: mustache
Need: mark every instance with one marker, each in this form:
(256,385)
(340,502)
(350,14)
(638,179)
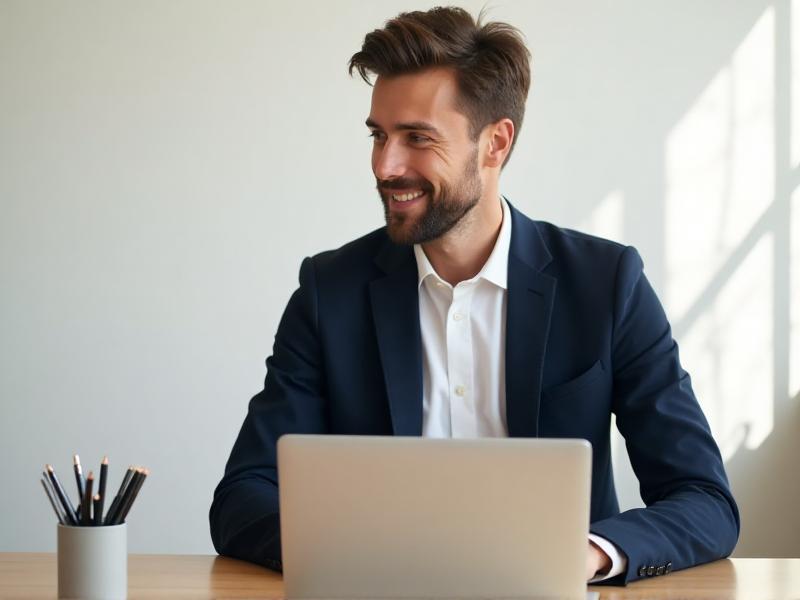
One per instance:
(403,183)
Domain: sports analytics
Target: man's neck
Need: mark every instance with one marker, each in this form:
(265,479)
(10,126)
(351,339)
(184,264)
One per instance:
(460,254)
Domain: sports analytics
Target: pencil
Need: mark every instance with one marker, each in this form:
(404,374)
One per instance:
(52,502)
(98,510)
(76,466)
(123,501)
(101,490)
(86,503)
(72,517)
(115,503)
(52,491)
(132,496)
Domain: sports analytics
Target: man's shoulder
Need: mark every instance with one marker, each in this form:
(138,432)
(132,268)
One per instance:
(566,246)
(565,241)
(354,257)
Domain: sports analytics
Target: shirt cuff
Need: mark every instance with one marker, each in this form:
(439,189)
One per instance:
(619,562)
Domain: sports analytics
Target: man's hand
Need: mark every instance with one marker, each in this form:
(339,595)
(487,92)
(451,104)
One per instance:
(597,562)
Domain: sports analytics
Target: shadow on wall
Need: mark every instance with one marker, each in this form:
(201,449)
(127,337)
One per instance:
(723,171)
(767,488)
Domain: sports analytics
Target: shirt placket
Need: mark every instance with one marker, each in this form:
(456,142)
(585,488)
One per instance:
(459,363)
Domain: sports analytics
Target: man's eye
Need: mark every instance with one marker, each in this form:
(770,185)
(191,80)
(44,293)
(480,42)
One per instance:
(418,139)
(376,135)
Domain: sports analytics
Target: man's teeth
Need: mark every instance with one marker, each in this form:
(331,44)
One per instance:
(407,197)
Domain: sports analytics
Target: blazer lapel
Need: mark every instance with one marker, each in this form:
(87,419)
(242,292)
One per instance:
(395,310)
(529,308)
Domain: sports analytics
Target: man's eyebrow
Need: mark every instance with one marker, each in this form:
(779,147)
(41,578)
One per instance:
(412,125)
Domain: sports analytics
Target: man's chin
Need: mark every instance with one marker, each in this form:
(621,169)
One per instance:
(401,234)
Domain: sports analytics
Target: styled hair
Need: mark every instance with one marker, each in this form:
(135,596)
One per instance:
(490,61)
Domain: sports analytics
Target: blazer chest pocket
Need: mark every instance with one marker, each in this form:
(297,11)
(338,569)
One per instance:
(578,408)
(573,386)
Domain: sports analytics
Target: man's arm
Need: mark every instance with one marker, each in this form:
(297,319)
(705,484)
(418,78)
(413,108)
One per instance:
(244,515)
(690,515)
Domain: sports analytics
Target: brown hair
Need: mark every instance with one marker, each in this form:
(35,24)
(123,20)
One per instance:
(491,62)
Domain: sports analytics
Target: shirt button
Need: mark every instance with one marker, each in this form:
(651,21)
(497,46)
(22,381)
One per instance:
(458,316)
(460,390)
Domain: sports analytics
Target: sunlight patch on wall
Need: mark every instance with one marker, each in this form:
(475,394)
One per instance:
(605,220)
(729,353)
(719,182)
(720,167)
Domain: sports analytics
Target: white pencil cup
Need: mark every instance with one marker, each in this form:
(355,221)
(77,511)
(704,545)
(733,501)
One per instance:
(93,562)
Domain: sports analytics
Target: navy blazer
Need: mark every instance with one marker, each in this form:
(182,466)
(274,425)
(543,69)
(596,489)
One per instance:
(585,337)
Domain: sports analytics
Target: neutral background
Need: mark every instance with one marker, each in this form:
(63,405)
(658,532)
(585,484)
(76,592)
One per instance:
(165,166)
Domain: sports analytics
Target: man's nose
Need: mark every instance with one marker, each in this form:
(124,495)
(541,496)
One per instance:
(389,161)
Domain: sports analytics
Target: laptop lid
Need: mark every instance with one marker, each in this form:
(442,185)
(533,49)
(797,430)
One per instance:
(402,517)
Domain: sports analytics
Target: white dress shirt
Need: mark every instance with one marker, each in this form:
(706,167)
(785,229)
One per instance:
(463,355)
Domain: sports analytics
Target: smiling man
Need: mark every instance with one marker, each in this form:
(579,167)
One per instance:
(426,162)
(465,318)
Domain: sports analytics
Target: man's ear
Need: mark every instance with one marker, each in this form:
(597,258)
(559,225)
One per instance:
(499,136)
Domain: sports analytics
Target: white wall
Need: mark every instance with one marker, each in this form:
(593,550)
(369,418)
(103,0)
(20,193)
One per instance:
(165,166)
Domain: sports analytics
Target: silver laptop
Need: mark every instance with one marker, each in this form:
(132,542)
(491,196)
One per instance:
(400,517)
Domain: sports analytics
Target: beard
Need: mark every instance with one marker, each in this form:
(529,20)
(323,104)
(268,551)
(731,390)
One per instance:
(443,211)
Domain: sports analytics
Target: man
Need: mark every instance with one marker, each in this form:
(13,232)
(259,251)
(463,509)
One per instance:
(464,318)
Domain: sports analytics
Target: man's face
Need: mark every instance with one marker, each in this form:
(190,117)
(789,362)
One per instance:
(424,161)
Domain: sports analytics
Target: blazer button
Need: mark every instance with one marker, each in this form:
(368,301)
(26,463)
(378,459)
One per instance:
(668,568)
(650,570)
(660,570)
(642,571)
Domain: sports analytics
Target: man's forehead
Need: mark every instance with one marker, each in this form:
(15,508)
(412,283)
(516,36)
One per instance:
(430,96)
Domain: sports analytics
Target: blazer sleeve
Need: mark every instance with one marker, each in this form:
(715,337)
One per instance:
(690,515)
(244,515)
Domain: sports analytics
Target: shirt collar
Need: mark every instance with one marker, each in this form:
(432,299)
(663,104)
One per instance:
(495,269)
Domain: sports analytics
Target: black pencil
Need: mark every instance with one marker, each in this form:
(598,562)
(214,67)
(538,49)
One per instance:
(98,510)
(86,503)
(72,517)
(52,502)
(123,501)
(76,466)
(115,503)
(123,514)
(101,490)
(52,491)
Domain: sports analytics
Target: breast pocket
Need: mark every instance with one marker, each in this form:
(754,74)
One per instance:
(576,384)
(580,407)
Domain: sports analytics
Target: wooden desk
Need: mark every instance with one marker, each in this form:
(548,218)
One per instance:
(27,575)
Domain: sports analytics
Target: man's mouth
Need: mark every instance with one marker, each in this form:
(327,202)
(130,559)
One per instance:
(408,196)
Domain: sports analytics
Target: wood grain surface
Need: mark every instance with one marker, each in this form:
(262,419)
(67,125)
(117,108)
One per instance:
(33,576)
